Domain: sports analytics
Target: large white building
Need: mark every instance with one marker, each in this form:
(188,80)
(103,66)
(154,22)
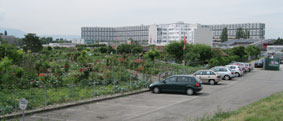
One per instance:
(256,30)
(112,35)
(163,34)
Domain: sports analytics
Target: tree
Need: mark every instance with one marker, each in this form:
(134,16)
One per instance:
(152,54)
(224,35)
(1,39)
(136,48)
(5,33)
(103,49)
(252,50)
(175,50)
(247,34)
(32,43)
(198,54)
(110,49)
(239,33)
(20,42)
(192,58)
(239,52)
(47,40)
(124,48)
(11,52)
(279,41)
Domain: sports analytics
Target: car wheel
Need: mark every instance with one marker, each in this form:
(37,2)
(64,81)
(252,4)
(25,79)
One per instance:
(156,90)
(212,82)
(239,75)
(190,91)
(226,77)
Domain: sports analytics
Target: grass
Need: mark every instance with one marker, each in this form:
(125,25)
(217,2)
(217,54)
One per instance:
(267,109)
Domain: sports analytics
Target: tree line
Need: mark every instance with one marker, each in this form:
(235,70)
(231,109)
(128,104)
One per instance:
(240,34)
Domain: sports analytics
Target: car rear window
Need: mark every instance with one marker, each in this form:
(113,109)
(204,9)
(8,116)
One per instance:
(232,67)
(211,73)
(229,69)
(198,80)
(183,79)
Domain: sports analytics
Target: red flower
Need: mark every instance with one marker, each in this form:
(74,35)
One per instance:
(121,59)
(81,70)
(139,60)
(41,75)
(141,68)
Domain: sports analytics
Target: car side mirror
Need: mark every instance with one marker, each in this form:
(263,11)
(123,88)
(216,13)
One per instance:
(163,82)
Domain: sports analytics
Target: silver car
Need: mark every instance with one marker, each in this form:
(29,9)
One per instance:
(241,65)
(236,68)
(249,67)
(225,72)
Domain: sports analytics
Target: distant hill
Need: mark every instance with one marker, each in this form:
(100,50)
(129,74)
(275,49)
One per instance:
(15,32)
(21,34)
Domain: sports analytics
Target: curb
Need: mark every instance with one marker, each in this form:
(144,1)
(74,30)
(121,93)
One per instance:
(71,104)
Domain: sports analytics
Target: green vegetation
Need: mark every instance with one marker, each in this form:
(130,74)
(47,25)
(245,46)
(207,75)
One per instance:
(224,35)
(36,96)
(279,41)
(242,34)
(32,43)
(268,109)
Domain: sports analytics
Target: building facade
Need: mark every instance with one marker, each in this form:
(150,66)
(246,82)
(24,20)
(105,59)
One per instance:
(163,34)
(78,41)
(93,35)
(9,39)
(256,30)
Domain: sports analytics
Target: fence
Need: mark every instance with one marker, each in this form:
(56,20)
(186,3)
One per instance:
(44,96)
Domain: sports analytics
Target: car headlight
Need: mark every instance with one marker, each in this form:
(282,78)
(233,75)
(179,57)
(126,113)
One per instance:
(150,85)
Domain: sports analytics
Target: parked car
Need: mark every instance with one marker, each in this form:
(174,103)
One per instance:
(236,68)
(225,72)
(242,66)
(259,63)
(249,67)
(208,76)
(188,84)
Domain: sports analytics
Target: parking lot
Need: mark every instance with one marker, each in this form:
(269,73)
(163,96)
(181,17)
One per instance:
(227,95)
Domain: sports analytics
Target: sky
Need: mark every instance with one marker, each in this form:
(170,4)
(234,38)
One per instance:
(66,17)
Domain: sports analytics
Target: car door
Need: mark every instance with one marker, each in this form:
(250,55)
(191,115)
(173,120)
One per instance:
(211,75)
(217,70)
(169,84)
(205,76)
(199,74)
(181,84)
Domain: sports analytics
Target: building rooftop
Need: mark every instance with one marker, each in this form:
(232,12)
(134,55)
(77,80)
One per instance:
(238,41)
